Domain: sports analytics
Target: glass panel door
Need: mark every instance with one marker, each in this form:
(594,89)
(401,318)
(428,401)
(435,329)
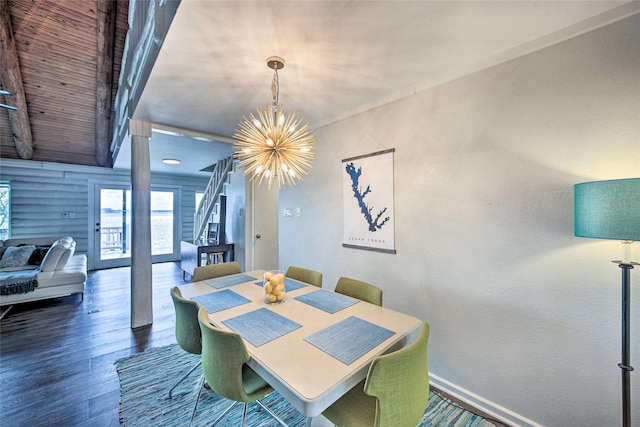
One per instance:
(112,243)
(115,223)
(162,222)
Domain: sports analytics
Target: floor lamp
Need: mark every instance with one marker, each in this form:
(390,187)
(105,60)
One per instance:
(611,210)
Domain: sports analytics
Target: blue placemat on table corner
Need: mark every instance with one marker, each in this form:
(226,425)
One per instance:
(328,301)
(349,339)
(261,326)
(290,285)
(218,301)
(226,281)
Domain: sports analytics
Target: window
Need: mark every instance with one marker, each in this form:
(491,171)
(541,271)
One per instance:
(5,211)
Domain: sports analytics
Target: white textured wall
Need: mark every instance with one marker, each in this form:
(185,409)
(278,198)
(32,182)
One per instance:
(523,314)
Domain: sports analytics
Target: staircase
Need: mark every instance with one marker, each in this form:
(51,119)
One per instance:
(211,195)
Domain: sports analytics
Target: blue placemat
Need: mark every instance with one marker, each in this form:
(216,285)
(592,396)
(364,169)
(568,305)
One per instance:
(328,301)
(261,326)
(226,281)
(349,339)
(218,301)
(290,285)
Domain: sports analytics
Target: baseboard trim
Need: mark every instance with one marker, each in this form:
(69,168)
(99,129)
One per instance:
(494,410)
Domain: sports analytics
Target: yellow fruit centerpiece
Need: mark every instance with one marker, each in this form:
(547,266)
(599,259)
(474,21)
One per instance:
(274,291)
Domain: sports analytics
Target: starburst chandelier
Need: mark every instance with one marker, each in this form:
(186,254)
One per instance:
(272,144)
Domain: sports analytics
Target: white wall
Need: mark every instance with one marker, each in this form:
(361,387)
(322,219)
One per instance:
(524,316)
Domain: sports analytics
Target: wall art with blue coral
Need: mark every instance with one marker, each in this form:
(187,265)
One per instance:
(368,202)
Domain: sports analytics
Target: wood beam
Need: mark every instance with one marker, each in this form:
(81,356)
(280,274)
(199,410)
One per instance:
(106,24)
(11,79)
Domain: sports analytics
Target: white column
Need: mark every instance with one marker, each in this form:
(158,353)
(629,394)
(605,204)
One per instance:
(141,289)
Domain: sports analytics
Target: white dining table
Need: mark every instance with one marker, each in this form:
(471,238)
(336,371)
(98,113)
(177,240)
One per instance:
(308,377)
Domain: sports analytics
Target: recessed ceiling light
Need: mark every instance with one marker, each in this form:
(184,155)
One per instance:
(171,161)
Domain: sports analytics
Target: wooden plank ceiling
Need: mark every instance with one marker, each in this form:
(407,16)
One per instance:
(64,66)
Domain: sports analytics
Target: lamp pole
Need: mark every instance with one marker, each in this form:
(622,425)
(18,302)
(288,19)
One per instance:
(611,210)
(624,365)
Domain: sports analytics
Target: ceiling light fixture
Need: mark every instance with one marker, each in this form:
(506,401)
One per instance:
(171,161)
(274,144)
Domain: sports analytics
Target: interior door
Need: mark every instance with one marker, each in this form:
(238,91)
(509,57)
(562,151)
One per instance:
(263,223)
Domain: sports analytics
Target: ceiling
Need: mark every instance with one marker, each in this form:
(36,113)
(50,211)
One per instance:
(342,58)
(50,53)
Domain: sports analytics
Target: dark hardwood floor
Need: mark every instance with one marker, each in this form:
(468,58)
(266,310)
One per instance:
(57,356)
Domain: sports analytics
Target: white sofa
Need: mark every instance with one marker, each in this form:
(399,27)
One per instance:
(61,271)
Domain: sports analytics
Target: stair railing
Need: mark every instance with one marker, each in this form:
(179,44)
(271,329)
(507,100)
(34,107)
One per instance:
(211,195)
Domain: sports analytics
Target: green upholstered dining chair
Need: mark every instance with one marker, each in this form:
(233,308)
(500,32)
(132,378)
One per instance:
(212,271)
(361,290)
(187,329)
(394,394)
(305,275)
(224,358)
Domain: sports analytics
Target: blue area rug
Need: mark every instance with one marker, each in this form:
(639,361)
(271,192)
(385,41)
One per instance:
(145,380)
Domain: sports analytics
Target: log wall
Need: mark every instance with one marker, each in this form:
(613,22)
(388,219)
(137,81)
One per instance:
(41,192)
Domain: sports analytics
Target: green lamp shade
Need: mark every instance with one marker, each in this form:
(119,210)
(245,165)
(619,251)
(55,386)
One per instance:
(608,209)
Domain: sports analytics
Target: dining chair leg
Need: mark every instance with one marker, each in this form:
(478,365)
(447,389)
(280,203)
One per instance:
(193,414)
(226,411)
(277,418)
(244,413)
(183,378)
